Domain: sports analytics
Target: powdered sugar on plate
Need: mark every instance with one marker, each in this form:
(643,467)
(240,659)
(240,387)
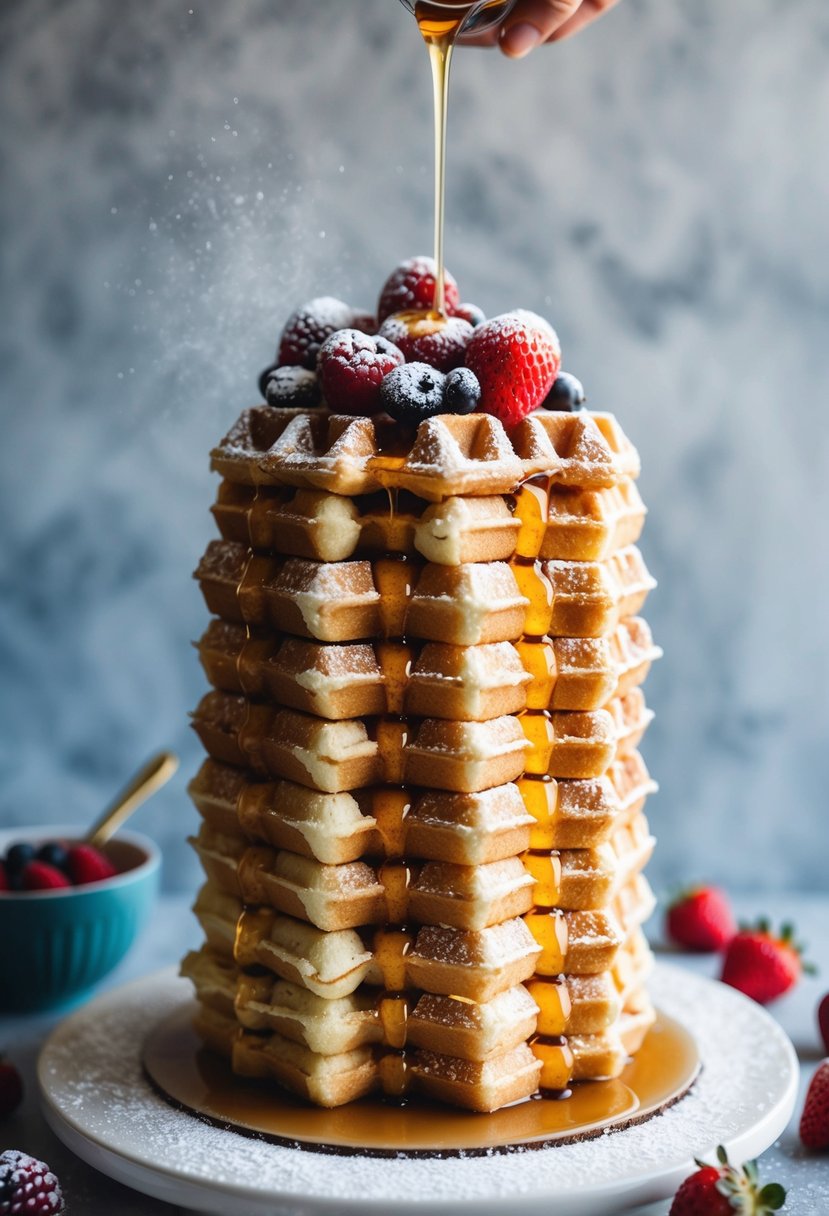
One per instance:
(91,1076)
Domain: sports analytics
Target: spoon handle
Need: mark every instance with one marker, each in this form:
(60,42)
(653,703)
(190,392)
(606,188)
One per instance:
(151,777)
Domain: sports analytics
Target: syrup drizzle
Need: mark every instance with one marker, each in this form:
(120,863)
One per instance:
(440,22)
(546,921)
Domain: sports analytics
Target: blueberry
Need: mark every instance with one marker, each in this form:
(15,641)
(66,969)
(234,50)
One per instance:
(463,391)
(263,377)
(53,854)
(290,387)
(412,392)
(18,856)
(471,313)
(567,393)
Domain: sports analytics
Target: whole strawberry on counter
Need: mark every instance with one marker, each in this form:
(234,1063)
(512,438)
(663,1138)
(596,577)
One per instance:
(762,964)
(11,1088)
(814,1122)
(723,1189)
(701,919)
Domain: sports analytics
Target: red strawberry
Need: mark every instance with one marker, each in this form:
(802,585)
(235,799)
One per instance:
(412,285)
(814,1122)
(701,919)
(516,358)
(4,878)
(823,1020)
(722,1190)
(87,865)
(351,369)
(29,1186)
(38,876)
(11,1089)
(308,327)
(761,965)
(427,337)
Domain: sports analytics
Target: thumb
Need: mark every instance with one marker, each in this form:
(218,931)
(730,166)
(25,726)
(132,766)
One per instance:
(532,22)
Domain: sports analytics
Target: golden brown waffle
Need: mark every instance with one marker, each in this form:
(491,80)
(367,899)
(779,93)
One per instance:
(449,455)
(334,756)
(334,897)
(468,829)
(465,683)
(478,1085)
(583,525)
(462,605)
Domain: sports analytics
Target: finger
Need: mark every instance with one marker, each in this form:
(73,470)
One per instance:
(533,22)
(589,12)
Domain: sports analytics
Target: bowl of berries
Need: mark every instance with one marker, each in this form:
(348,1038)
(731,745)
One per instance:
(68,912)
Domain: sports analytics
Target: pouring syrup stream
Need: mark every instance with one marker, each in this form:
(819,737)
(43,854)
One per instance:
(441,22)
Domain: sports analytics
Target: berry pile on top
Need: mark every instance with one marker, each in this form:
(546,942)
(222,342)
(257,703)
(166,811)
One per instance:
(415,363)
(52,865)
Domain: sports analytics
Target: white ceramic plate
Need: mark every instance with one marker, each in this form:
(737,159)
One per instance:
(97,1100)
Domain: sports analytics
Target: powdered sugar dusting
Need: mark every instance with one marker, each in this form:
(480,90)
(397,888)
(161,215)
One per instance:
(92,1073)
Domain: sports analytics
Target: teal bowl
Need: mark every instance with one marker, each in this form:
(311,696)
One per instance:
(56,945)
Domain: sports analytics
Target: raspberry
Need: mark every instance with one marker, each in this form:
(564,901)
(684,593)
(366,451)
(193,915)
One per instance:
(28,1186)
(88,865)
(427,337)
(352,366)
(38,876)
(308,327)
(516,358)
(412,286)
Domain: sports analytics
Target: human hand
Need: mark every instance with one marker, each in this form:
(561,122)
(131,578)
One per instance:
(534,22)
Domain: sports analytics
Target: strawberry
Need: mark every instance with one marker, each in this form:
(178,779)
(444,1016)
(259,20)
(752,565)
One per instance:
(27,1185)
(814,1122)
(412,285)
(38,876)
(11,1088)
(701,919)
(516,358)
(762,965)
(722,1190)
(351,369)
(87,865)
(823,1020)
(427,337)
(307,328)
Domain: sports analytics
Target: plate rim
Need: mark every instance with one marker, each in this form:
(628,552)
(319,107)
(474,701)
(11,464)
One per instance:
(171,1183)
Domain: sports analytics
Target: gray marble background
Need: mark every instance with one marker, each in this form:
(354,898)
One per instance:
(177,176)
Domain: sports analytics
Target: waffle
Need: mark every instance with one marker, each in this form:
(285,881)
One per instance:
(470,455)
(421,811)
(463,683)
(333,756)
(467,829)
(462,605)
(353,894)
(582,525)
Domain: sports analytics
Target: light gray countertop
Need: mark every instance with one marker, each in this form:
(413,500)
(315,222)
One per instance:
(173,930)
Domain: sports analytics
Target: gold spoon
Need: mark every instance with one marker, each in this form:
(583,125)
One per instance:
(149,778)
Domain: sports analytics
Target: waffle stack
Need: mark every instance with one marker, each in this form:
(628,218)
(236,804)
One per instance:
(422,827)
